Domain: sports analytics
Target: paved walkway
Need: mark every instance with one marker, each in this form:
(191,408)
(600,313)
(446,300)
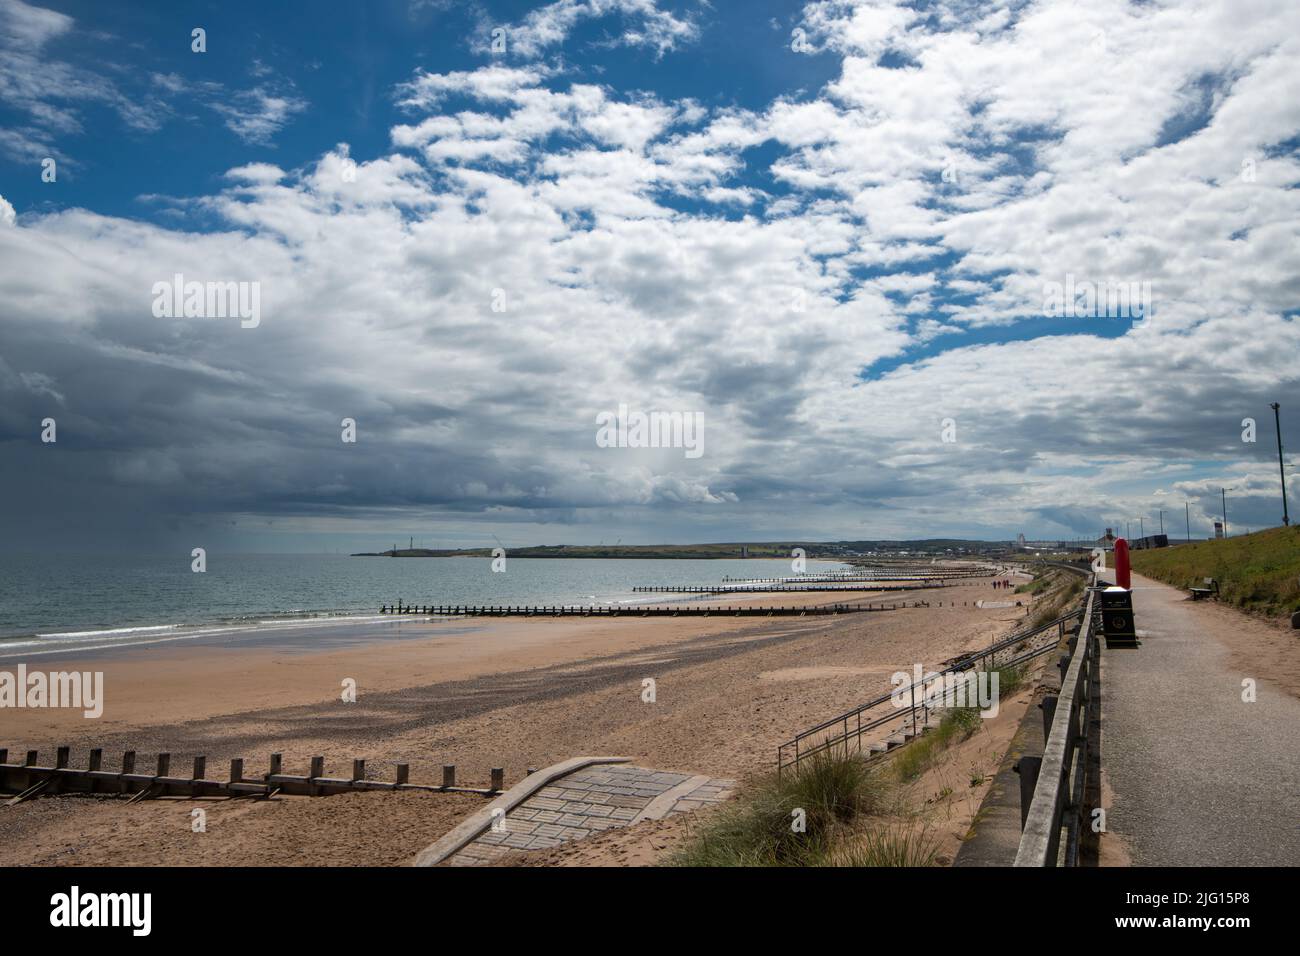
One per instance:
(587,801)
(1198,776)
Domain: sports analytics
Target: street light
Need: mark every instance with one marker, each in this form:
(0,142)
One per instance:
(1277,420)
(1223,493)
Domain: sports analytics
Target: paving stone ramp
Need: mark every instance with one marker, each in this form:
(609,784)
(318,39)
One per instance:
(587,801)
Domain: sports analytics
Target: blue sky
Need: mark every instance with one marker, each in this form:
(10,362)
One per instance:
(342,65)
(829,229)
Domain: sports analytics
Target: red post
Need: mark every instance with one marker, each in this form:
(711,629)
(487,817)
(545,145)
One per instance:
(1122,577)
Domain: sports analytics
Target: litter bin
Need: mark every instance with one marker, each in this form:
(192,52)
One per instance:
(1117,618)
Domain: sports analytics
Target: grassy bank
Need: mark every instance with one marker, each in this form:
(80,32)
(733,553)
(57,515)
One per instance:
(1054,590)
(1257,572)
(822,815)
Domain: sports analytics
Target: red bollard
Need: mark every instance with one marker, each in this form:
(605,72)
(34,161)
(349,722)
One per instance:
(1122,577)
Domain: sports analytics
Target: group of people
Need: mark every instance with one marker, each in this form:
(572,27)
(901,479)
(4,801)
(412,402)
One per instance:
(1004,583)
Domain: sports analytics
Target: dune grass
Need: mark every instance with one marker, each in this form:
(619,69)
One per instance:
(834,797)
(1042,581)
(1010,679)
(906,845)
(920,754)
(1257,572)
(1056,599)
(837,796)
(831,791)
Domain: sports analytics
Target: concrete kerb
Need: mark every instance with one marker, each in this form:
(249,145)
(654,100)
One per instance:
(662,805)
(469,828)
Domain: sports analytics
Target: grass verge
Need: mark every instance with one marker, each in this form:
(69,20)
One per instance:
(1257,572)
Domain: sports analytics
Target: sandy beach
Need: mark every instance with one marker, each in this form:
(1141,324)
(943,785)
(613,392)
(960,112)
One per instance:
(514,693)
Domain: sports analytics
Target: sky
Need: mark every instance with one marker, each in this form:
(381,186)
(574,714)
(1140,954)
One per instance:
(855,242)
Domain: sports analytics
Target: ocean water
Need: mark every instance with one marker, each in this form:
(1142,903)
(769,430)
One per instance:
(58,601)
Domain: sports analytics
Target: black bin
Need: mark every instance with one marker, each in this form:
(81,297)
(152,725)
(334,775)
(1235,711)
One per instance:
(1117,618)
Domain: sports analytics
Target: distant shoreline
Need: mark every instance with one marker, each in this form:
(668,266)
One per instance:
(784,551)
(565,552)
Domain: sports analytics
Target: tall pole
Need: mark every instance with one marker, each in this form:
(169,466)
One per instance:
(1162,520)
(1277,420)
(1223,493)
(1187,513)
(1142,528)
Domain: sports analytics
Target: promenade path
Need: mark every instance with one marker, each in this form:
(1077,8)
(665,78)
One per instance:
(1197,776)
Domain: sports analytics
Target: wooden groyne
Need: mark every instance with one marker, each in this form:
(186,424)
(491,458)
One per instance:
(683,610)
(31,779)
(816,578)
(776,588)
(900,574)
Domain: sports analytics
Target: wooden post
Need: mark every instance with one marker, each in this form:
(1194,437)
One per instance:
(164,764)
(32,756)
(237,770)
(403,773)
(128,766)
(449,775)
(61,757)
(358,770)
(498,779)
(96,758)
(200,767)
(317,767)
(4,755)
(277,764)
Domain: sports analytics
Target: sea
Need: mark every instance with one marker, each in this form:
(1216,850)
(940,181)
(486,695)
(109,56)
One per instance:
(64,603)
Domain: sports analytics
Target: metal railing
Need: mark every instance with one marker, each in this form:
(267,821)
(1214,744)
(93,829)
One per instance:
(1065,780)
(847,729)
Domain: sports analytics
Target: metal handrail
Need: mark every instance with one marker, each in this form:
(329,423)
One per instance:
(963,664)
(1058,799)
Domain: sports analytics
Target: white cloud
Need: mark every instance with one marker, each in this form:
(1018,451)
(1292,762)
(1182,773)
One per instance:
(53,93)
(256,115)
(643,24)
(759,307)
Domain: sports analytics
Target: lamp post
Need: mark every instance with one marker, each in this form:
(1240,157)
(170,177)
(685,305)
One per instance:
(1187,515)
(1277,421)
(1223,493)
